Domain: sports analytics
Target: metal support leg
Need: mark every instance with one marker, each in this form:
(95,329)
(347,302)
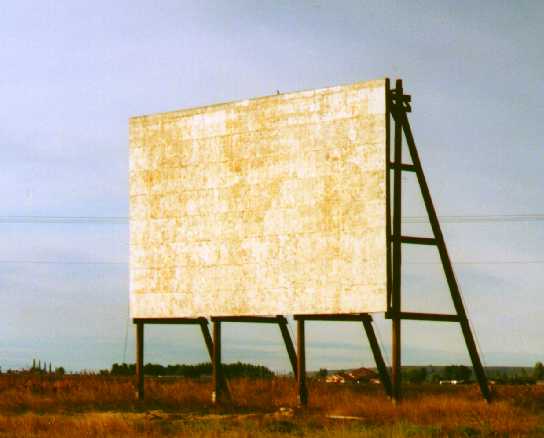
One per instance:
(402,119)
(209,346)
(288,344)
(396,359)
(396,291)
(216,363)
(476,362)
(301,365)
(140,359)
(378,358)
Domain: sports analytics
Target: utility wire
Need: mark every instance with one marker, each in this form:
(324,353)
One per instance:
(478,218)
(115,220)
(476,262)
(484,262)
(58,262)
(123,220)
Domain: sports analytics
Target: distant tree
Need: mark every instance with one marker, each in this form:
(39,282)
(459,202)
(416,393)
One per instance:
(237,369)
(59,371)
(538,371)
(322,373)
(123,369)
(240,369)
(457,372)
(415,375)
(435,376)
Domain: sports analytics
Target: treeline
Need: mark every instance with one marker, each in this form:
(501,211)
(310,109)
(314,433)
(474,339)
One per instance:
(519,377)
(464,373)
(232,370)
(450,372)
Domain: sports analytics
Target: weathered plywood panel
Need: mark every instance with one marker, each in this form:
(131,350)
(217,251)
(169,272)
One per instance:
(268,206)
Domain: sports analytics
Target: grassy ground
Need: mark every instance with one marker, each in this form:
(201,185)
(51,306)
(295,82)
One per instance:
(106,407)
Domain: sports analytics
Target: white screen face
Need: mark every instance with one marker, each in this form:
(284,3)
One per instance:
(267,206)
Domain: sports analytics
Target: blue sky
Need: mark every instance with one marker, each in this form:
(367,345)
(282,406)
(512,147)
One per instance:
(74,72)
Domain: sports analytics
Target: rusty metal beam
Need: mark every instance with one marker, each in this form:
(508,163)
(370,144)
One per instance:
(209,346)
(418,240)
(169,320)
(401,118)
(255,319)
(388,191)
(378,358)
(301,365)
(404,167)
(217,394)
(331,317)
(425,316)
(397,259)
(288,344)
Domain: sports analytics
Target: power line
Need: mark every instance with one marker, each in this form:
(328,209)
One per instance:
(116,220)
(123,220)
(461,262)
(58,262)
(485,262)
(479,218)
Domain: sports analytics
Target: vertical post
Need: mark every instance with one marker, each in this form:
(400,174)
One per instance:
(445,259)
(397,214)
(209,346)
(376,352)
(140,359)
(216,363)
(288,343)
(388,188)
(301,365)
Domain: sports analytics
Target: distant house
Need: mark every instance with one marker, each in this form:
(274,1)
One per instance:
(451,382)
(336,378)
(360,375)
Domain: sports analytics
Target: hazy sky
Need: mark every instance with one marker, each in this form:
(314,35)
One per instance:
(74,72)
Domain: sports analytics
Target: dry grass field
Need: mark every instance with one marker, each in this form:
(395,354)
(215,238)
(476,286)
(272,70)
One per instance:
(104,406)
